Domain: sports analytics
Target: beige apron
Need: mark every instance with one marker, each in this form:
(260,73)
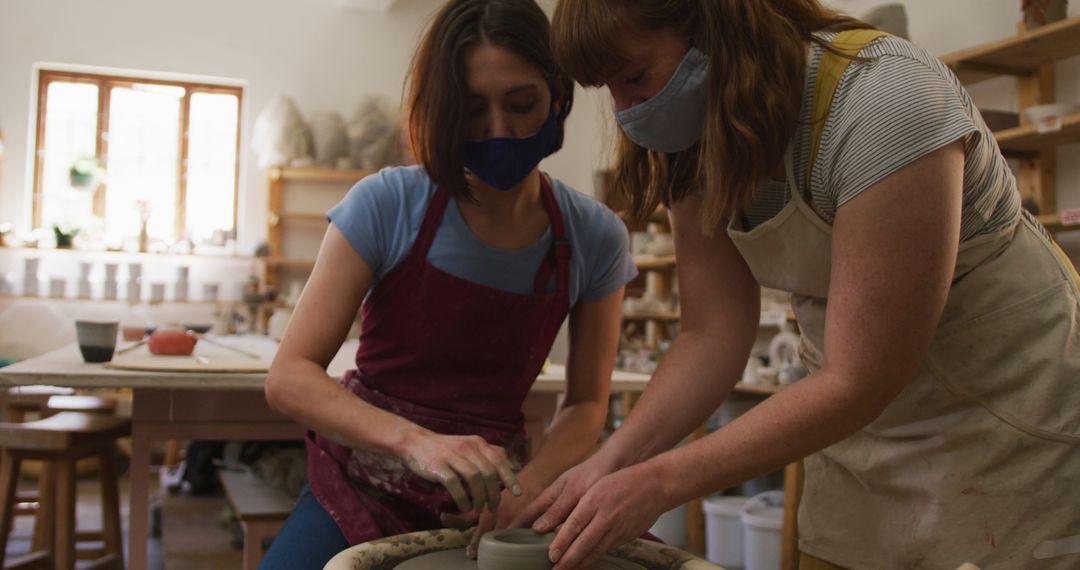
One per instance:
(978,458)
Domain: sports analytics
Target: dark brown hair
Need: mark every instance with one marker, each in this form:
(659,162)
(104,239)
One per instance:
(757,65)
(437,90)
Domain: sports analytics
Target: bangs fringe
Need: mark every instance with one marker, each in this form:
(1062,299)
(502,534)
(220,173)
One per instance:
(585,37)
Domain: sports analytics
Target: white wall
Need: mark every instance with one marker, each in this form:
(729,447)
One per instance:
(325,56)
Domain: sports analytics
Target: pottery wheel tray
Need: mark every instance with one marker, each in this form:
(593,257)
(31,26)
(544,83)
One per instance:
(444,549)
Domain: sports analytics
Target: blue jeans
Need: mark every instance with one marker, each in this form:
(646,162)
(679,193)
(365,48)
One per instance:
(308,539)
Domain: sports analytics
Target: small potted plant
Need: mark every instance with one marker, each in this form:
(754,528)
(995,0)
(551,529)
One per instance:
(64,236)
(86,173)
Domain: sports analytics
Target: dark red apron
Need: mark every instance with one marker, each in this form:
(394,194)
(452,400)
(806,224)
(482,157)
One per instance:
(453,356)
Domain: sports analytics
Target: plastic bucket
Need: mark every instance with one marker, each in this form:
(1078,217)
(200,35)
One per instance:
(762,520)
(671,527)
(724,531)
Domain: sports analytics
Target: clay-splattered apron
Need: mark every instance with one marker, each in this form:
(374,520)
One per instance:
(453,356)
(978,458)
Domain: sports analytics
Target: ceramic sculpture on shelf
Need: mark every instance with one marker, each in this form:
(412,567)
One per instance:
(1041,12)
(374,134)
(280,137)
(329,138)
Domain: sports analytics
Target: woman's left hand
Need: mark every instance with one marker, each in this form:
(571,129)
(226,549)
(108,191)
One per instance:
(617,509)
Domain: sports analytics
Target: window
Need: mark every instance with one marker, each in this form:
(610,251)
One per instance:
(169,150)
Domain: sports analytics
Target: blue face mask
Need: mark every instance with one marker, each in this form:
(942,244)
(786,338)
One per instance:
(672,120)
(505,161)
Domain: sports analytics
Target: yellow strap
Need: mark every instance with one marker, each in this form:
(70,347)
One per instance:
(830,70)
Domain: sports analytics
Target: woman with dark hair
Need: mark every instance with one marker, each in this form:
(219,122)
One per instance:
(800,150)
(465,267)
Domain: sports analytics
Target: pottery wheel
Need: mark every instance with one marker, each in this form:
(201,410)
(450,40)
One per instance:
(456,560)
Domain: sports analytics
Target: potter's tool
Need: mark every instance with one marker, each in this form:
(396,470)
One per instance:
(209,340)
(128,349)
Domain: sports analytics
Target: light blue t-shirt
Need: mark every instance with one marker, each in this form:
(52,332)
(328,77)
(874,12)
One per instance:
(381,217)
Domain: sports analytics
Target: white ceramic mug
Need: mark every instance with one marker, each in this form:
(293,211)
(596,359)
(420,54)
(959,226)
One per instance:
(97,339)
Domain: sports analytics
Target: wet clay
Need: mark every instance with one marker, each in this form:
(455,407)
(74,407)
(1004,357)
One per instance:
(456,560)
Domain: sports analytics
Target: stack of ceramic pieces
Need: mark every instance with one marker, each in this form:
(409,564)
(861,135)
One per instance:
(84,279)
(110,288)
(134,284)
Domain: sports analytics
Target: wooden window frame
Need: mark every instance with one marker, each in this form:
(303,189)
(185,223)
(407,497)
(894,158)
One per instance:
(105,83)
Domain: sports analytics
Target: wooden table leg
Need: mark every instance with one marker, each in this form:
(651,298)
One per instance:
(793,484)
(139,517)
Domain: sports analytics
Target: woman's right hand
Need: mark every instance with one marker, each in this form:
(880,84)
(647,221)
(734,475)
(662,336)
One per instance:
(551,508)
(459,463)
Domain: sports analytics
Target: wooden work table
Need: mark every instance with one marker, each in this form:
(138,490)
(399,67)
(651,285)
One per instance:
(225,406)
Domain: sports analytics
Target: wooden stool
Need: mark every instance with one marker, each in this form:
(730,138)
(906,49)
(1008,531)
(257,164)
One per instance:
(260,507)
(60,441)
(22,400)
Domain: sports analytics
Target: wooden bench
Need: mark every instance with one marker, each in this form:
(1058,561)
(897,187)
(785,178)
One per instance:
(260,507)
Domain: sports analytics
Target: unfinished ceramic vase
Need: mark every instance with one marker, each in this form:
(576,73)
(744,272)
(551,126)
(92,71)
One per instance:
(280,137)
(329,138)
(514,549)
(373,134)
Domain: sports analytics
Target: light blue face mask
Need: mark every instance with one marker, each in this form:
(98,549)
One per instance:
(672,120)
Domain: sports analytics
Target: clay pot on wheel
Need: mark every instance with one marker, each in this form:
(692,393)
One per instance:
(514,549)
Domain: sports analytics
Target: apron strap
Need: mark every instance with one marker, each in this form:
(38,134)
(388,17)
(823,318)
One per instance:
(844,48)
(559,257)
(430,225)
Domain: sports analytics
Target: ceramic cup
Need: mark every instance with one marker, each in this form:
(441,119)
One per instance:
(57,288)
(97,339)
(157,293)
(210,292)
(514,548)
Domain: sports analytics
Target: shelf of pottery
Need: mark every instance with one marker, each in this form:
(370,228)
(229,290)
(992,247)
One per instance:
(296,220)
(651,318)
(1031,136)
(104,282)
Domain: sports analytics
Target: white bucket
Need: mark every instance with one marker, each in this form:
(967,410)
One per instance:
(671,527)
(762,520)
(724,531)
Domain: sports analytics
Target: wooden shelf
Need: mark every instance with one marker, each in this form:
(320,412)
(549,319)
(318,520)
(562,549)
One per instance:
(142,301)
(1017,55)
(755,389)
(316,174)
(289,263)
(674,316)
(654,263)
(136,254)
(1053,223)
(1028,139)
(651,316)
